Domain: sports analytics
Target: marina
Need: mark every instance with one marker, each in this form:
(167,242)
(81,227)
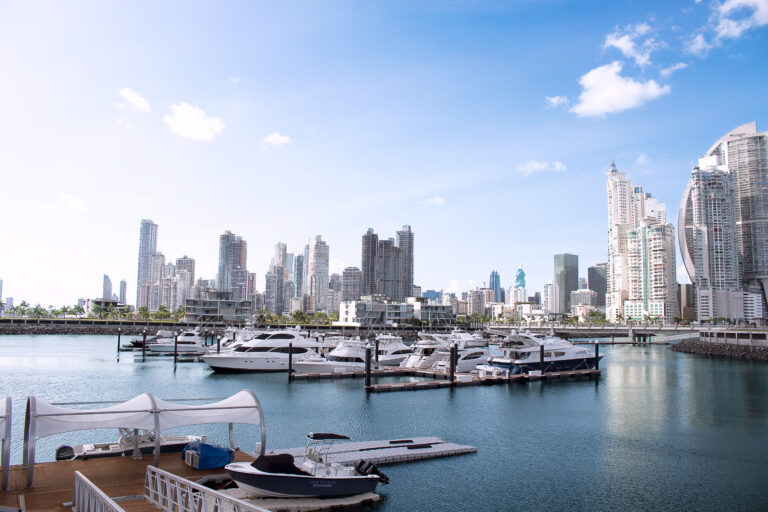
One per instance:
(654,419)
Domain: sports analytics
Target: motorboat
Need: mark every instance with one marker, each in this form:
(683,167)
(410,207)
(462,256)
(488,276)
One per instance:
(233,338)
(392,350)
(279,476)
(466,362)
(138,343)
(129,442)
(267,352)
(188,342)
(426,351)
(521,353)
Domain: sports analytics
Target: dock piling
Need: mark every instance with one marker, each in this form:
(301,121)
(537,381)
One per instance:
(376,344)
(452,366)
(597,355)
(144,345)
(218,344)
(367,367)
(290,362)
(175,345)
(541,358)
(119,331)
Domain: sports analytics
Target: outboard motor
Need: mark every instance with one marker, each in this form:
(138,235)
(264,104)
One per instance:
(366,467)
(65,452)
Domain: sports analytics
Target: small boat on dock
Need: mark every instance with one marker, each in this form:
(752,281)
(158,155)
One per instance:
(522,353)
(188,343)
(129,442)
(278,476)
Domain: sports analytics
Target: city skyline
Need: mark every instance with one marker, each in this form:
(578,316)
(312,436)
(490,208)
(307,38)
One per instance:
(481,117)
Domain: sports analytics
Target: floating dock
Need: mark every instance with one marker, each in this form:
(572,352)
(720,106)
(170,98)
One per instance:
(442,379)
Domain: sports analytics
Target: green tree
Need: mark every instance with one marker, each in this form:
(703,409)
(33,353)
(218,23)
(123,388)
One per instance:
(179,314)
(78,310)
(144,313)
(162,313)
(38,311)
(300,317)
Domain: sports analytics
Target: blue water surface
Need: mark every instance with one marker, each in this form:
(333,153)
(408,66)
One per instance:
(659,430)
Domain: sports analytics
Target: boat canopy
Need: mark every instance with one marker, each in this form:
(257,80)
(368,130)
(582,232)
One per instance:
(145,412)
(5,440)
(320,436)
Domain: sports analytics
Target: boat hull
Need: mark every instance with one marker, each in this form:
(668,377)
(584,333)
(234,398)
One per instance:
(257,483)
(226,364)
(562,365)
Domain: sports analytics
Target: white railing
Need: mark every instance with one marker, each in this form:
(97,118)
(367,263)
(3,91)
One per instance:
(89,498)
(172,493)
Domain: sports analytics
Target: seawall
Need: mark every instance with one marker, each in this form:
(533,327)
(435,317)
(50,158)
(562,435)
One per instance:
(730,350)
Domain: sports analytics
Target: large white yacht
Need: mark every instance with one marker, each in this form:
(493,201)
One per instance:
(188,343)
(466,362)
(267,352)
(522,353)
(349,355)
(426,351)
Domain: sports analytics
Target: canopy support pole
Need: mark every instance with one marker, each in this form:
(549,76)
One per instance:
(5,458)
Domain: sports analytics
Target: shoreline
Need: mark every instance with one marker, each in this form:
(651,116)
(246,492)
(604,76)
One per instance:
(722,350)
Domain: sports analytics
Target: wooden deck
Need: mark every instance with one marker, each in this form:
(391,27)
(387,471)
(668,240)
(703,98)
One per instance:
(118,477)
(475,380)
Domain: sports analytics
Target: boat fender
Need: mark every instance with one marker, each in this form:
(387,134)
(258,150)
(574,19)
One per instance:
(65,452)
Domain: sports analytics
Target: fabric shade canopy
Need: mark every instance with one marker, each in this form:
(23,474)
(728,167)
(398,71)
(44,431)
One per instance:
(144,412)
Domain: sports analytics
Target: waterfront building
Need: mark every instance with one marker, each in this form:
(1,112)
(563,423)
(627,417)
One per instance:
(651,268)
(147,247)
(217,310)
(583,297)
(106,288)
(238,281)
(476,302)
(123,289)
(233,255)
(188,264)
(351,284)
(494,283)
(405,245)
(597,281)
(332,301)
(629,209)
(387,265)
(273,290)
(298,275)
(317,273)
(550,298)
(708,244)
(734,171)
(9,303)
(566,279)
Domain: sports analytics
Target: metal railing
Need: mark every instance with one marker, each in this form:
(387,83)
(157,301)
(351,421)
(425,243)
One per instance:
(172,493)
(89,498)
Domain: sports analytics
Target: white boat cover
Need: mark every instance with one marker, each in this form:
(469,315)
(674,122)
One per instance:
(144,412)
(5,440)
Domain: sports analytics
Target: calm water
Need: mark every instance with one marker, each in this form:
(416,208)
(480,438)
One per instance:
(660,430)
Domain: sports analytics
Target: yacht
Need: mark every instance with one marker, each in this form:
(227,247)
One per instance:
(522,354)
(467,361)
(426,351)
(188,343)
(349,355)
(267,352)
(161,335)
(392,350)
(129,442)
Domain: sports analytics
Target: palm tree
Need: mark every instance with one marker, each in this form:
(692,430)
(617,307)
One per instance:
(162,313)
(144,313)
(78,310)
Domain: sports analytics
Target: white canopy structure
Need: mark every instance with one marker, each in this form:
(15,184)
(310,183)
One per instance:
(5,440)
(144,412)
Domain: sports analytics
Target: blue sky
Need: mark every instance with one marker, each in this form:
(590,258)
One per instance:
(486,126)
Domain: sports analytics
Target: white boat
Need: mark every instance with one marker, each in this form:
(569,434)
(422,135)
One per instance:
(426,351)
(158,337)
(267,352)
(278,476)
(392,350)
(466,362)
(188,343)
(129,442)
(522,354)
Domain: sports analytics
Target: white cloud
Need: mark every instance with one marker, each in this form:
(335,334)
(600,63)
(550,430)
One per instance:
(135,99)
(435,201)
(234,79)
(532,166)
(666,72)
(275,139)
(642,158)
(453,286)
(556,101)
(605,91)
(67,202)
(737,16)
(190,121)
(337,266)
(698,45)
(625,41)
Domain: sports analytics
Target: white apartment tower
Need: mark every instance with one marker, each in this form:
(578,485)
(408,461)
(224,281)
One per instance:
(316,280)
(147,247)
(641,253)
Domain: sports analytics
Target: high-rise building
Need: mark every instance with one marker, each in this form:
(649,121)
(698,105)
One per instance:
(494,283)
(550,298)
(233,255)
(707,236)
(188,264)
(106,288)
(597,280)
(652,278)
(405,244)
(147,247)
(629,209)
(687,302)
(317,273)
(387,265)
(123,289)
(566,279)
(273,290)
(369,266)
(298,275)
(744,153)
